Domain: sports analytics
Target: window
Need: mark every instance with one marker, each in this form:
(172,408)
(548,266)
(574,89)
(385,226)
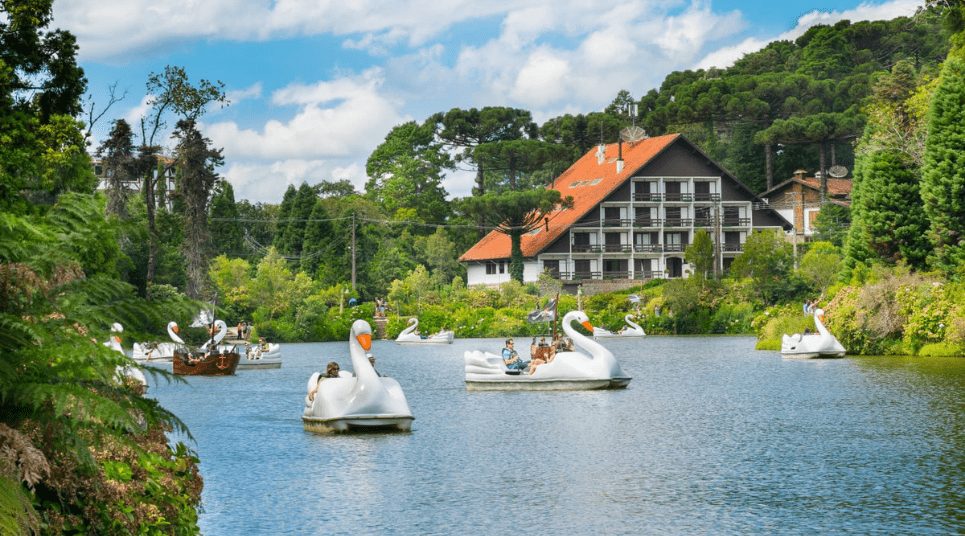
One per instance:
(502,267)
(553,267)
(490,268)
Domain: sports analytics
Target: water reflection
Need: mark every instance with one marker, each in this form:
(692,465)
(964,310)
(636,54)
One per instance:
(711,437)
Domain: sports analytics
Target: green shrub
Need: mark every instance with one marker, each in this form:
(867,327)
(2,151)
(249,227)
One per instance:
(941,349)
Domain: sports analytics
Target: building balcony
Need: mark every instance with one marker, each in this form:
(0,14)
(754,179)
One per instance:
(736,222)
(585,248)
(617,248)
(648,223)
(612,274)
(678,198)
(674,248)
(703,222)
(648,248)
(615,222)
(732,248)
(648,198)
(676,222)
(706,198)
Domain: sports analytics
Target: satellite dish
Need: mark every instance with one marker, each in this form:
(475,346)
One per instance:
(838,172)
(633,134)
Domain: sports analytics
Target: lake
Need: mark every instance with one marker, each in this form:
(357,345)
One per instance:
(711,437)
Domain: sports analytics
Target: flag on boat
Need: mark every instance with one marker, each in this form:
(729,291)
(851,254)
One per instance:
(547,313)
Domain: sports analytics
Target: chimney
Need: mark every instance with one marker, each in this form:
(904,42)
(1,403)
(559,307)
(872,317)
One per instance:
(619,156)
(600,154)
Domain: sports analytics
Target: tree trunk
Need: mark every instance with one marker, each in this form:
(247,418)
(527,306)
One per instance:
(822,152)
(151,230)
(516,257)
(769,164)
(481,187)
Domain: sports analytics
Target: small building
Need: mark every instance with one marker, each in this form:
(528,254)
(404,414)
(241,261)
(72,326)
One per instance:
(165,184)
(798,200)
(636,209)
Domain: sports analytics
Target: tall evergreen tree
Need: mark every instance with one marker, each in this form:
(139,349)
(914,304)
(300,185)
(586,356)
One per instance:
(119,166)
(195,162)
(282,223)
(318,239)
(227,232)
(943,170)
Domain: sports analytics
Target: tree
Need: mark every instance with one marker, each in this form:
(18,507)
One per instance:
(119,165)
(887,201)
(943,175)
(270,288)
(68,426)
(282,223)
(406,171)
(514,214)
(169,91)
(318,239)
(195,162)
(821,264)
(700,254)
(832,224)
(518,156)
(466,129)
(226,228)
(767,260)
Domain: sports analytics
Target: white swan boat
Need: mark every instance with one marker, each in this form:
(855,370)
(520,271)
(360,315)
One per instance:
(568,370)
(131,370)
(632,329)
(159,351)
(365,401)
(409,336)
(814,345)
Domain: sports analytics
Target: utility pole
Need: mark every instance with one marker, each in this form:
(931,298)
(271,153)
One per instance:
(353,252)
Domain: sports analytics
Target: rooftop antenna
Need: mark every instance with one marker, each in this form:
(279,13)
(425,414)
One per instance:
(633,133)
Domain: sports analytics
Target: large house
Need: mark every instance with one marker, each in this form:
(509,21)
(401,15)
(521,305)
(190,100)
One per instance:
(799,200)
(637,206)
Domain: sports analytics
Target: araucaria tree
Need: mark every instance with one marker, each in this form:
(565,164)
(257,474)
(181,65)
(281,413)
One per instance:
(119,167)
(516,213)
(943,170)
(195,178)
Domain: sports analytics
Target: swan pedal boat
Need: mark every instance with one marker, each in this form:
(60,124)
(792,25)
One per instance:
(130,370)
(820,345)
(363,402)
(252,357)
(486,371)
(258,359)
(161,352)
(632,329)
(408,335)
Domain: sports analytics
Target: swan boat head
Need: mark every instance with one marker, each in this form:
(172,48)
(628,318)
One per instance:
(218,336)
(173,332)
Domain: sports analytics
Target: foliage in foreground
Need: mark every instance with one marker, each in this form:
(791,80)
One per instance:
(83,452)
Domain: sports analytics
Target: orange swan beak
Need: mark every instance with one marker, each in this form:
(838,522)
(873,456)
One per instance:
(587,325)
(365,340)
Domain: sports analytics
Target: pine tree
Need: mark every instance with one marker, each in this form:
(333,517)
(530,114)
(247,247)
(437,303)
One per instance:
(886,194)
(119,166)
(227,232)
(195,180)
(943,170)
(318,239)
(282,224)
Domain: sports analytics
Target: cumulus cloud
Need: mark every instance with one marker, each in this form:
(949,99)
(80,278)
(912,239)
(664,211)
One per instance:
(336,118)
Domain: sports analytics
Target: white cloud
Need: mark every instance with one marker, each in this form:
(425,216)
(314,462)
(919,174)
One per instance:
(235,97)
(267,182)
(337,118)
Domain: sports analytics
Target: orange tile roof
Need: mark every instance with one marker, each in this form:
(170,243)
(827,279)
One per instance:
(835,186)
(596,182)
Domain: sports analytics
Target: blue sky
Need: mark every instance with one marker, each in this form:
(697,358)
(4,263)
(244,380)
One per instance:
(316,85)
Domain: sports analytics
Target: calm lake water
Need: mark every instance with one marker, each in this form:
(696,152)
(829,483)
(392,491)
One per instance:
(711,437)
